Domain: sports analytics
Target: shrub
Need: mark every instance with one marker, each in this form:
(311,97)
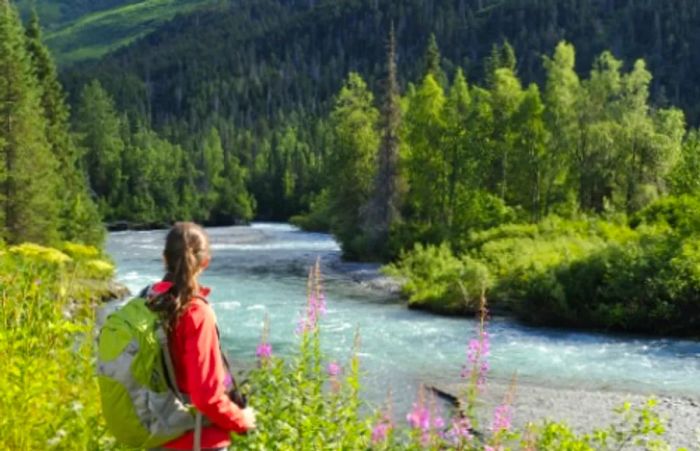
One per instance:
(681,213)
(436,279)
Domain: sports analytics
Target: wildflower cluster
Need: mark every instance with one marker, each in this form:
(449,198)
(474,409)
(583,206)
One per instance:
(424,419)
(313,403)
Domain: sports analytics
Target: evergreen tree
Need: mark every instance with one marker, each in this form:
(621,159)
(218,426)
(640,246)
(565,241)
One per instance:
(460,155)
(80,220)
(99,133)
(432,61)
(502,57)
(29,183)
(383,209)
(211,178)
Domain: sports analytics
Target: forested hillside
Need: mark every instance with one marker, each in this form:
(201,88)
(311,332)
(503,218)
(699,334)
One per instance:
(264,72)
(257,59)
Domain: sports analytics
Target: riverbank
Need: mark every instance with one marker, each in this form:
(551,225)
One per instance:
(584,409)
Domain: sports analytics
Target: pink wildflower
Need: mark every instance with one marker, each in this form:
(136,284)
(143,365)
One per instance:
(264,351)
(381,430)
(419,417)
(333,369)
(501,419)
(478,351)
(460,431)
(316,302)
(424,419)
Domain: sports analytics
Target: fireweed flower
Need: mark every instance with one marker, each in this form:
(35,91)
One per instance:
(478,351)
(316,302)
(424,419)
(502,417)
(460,431)
(263,351)
(380,431)
(333,369)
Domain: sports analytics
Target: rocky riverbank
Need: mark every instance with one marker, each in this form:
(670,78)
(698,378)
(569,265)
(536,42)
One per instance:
(584,409)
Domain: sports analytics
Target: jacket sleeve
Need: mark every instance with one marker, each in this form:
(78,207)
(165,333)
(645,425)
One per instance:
(205,370)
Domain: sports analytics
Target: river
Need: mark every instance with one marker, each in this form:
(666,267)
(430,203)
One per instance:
(261,269)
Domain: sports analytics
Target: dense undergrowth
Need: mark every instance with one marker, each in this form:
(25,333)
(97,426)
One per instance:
(48,394)
(640,274)
(49,397)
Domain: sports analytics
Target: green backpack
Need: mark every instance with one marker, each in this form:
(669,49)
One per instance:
(141,406)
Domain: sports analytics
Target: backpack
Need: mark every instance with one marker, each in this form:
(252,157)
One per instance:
(141,403)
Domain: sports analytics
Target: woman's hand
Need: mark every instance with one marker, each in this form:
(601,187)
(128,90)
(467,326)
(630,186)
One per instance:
(249,418)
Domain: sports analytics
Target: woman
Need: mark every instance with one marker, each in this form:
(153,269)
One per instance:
(200,371)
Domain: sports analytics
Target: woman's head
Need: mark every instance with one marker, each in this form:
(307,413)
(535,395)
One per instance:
(186,254)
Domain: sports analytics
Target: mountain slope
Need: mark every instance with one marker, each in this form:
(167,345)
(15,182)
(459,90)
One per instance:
(79,32)
(262,59)
(55,13)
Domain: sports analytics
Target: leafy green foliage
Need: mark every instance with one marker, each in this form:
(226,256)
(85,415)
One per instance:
(46,340)
(140,177)
(303,402)
(436,279)
(637,427)
(587,273)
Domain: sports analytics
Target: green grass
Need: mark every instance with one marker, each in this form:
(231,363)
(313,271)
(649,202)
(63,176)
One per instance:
(94,35)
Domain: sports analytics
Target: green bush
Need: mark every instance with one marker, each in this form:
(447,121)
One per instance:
(588,272)
(647,285)
(681,213)
(437,280)
(318,218)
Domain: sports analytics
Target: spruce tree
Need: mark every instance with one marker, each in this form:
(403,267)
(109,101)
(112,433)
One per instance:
(29,201)
(79,218)
(383,210)
(99,131)
(432,61)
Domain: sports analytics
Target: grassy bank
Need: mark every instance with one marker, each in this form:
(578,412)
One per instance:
(48,395)
(639,274)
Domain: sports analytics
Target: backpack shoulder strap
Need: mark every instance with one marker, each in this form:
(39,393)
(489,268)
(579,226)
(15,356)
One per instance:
(172,384)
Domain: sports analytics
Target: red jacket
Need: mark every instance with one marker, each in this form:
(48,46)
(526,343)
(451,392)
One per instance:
(201,374)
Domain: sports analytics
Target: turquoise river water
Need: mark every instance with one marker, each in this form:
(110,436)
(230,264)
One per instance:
(262,269)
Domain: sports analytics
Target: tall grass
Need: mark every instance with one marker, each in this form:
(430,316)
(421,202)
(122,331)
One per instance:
(48,395)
